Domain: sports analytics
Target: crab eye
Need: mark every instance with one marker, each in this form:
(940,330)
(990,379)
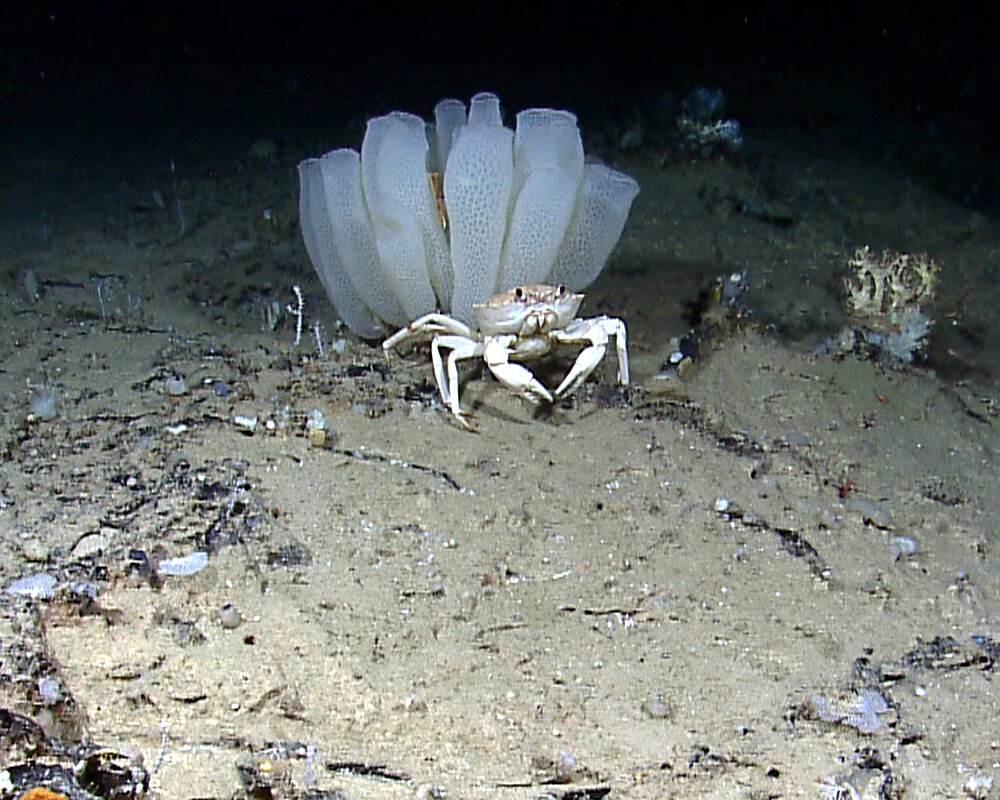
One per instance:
(561,290)
(519,293)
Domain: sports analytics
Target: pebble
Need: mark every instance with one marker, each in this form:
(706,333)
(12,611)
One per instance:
(90,544)
(230,616)
(315,419)
(50,691)
(657,708)
(246,423)
(44,407)
(86,589)
(34,550)
(903,546)
(176,387)
(978,786)
(565,766)
(184,632)
(316,428)
(870,511)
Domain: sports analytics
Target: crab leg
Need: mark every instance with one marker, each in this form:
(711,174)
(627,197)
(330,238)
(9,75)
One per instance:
(596,331)
(514,376)
(461,347)
(427,326)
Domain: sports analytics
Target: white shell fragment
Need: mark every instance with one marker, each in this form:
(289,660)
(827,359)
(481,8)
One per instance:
(38,586)
(440,217)
(182,566)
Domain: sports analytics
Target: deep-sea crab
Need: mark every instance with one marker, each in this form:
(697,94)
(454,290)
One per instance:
(521,324)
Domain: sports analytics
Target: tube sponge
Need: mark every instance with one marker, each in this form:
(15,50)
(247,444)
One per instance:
(354,237)
(602,209)
(518,207)
(316,218)
(477,190)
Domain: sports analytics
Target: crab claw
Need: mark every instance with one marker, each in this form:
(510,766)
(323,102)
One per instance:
(513,376)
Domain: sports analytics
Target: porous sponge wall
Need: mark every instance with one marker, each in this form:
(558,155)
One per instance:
(477,187)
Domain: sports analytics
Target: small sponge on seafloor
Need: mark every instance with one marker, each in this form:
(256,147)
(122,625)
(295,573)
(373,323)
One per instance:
(888,299)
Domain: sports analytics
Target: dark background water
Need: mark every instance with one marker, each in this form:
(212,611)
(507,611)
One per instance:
(111,78)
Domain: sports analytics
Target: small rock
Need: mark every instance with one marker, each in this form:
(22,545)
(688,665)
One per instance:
(43,407)
(978,786)
(871,512)
(176,387)
(657,708)
(33,550)
(185,632)
(50,691)
(230,616)
(90,544)
(566,767)
(246,424)
(903,546)
(415,705)
(315,419)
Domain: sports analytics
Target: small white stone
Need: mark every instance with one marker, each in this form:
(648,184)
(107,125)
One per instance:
(903,546)
(248,423)
(979,786)
(50,691)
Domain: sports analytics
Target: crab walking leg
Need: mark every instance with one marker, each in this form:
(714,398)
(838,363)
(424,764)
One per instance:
(427,326)
(447,379)
(514,376)
(596,331)
(615,327)
(461,347)
(440,377)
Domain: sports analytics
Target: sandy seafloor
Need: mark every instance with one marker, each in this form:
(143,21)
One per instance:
(638,595)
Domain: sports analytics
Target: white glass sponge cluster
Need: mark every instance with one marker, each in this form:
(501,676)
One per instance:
(517,207)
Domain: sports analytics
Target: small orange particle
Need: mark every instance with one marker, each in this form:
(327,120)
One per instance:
(41,793)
